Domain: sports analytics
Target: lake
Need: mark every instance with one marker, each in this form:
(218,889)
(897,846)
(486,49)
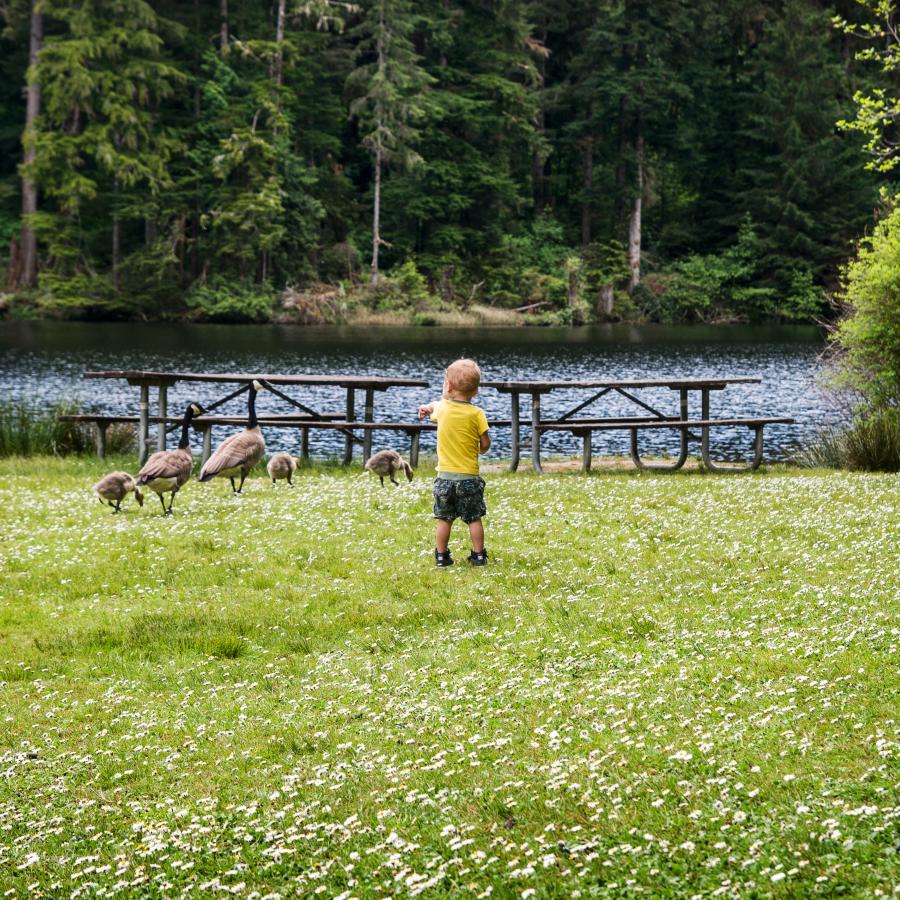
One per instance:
(43,361)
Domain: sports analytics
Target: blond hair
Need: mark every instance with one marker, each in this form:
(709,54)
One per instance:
(464,376)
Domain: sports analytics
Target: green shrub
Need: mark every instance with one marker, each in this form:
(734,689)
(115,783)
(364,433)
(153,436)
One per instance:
(27,429)
(223,300)
(718,285)
(870,444)
(826,451)
(339,261)
(805,299)
(402,289)
(531,267)
(868,337)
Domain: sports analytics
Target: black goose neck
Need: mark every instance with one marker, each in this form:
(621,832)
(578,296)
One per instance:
(251,408)
(185,441)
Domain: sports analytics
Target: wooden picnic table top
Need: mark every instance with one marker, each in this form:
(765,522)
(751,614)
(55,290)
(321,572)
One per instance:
(673,383)
(375,382)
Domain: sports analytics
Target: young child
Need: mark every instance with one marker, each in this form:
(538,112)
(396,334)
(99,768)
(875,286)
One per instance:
(462,434)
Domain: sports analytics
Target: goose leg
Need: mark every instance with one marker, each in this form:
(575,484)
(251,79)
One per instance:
(118,504)
(241,485)
(233,488)
(382,480)
(291,483)
(171,501)
(163,503)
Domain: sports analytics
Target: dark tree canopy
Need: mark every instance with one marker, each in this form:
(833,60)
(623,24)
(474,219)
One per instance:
(671,159)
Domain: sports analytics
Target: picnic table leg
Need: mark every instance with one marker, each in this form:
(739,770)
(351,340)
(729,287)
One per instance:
(683,451)
(747,467)
(704,432)
(304,444)
(536,432)
(514,421)
(206,452)
(683,413)
(586,453)
(143,425)
(163,406)
(351,413)
(414,449)
(368,417)
(100,439)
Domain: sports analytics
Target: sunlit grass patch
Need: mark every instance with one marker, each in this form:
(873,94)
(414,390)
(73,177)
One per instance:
(665,685)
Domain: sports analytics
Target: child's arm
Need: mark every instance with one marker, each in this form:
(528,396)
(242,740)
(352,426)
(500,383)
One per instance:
(427,409)
(484,443)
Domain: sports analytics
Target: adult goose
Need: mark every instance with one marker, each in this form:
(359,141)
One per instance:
(167,470)
(238,454)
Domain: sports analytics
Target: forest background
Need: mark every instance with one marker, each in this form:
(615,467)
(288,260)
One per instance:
(577,160)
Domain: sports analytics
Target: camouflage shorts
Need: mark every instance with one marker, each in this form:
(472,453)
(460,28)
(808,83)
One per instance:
(459,499)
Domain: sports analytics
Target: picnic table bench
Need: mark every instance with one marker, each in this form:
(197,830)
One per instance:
(308,418)
(162,381)
(657,419)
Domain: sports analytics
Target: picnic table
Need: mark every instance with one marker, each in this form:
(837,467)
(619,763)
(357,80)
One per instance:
(162,381)
(656,419)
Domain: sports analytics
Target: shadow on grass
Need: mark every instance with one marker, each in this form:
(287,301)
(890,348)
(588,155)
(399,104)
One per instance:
(153,636)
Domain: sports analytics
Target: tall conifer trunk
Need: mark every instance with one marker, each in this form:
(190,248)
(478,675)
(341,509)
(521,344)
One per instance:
(634,224)
(278,73)
(538,164)
(376,219)
(29,188)
(588,185)
(116,247)
(376,211)
(223,24)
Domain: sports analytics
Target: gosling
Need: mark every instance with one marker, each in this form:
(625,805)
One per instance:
(386,462)
(282,465)
(116,487)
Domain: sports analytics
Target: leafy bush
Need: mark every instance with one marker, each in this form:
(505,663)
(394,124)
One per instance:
(531,267)
(870,444)
(29,430)
(805,299)
(338,262)
(718,285)
(403,289)
(224,300)
(868,337)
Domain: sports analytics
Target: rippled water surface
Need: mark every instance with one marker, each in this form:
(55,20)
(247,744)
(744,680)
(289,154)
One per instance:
(43,361)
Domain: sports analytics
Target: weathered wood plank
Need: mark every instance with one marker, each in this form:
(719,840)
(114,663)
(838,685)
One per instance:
(580,427)
(372,382)
(672,383)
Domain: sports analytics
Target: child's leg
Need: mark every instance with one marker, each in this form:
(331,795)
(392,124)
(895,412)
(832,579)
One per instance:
(442,534)
(476,533)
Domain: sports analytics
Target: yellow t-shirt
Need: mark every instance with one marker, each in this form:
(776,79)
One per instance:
(460,426)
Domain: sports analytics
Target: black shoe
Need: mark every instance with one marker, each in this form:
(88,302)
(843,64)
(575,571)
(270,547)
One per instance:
(478,558)
(442,560)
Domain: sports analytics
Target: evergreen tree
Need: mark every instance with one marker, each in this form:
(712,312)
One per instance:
(388,85)
(164,154)
(801,180)
(98,147)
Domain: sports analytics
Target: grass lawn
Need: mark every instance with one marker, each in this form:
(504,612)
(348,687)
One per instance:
(661,685)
